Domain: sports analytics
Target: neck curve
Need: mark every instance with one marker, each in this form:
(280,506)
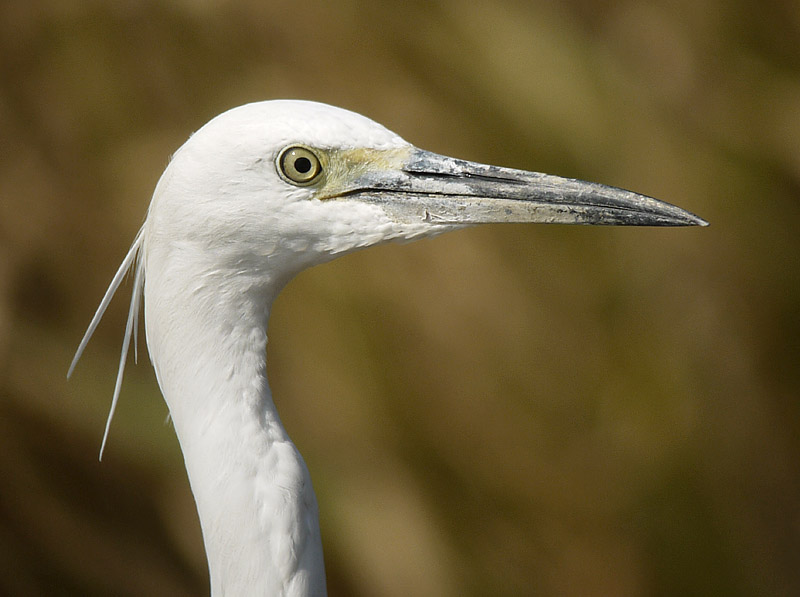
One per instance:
(253,492)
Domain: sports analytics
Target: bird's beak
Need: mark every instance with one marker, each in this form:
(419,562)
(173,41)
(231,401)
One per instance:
(446,191)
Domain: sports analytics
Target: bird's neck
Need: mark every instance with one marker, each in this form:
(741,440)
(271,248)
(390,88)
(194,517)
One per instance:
(253,492)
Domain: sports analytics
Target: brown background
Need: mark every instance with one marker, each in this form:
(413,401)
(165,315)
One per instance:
(500,411)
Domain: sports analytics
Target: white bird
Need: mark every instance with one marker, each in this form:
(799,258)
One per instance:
(258,194)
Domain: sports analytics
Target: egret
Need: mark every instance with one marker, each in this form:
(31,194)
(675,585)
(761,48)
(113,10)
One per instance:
(258,194)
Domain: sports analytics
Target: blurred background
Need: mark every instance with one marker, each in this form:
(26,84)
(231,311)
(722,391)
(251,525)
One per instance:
(507,410)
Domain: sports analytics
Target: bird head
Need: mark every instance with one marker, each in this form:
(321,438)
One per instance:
(285,184)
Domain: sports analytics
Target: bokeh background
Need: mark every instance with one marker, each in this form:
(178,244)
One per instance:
(507,410)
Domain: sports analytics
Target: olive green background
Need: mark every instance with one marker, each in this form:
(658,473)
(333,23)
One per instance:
(507,410)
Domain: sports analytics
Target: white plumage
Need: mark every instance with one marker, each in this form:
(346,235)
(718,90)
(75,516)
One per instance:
(254,197)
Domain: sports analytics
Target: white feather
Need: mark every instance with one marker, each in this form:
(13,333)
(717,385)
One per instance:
(132,260)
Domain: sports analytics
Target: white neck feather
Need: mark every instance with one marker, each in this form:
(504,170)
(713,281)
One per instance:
(254,497)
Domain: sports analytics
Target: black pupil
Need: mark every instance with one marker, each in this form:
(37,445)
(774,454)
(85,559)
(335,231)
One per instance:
(302,165)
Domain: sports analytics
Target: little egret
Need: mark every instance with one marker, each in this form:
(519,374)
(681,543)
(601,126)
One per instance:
(258,194)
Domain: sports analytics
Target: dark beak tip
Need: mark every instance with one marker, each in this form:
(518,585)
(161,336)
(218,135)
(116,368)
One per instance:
(697,221)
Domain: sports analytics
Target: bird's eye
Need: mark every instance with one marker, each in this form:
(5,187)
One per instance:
(299,165)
